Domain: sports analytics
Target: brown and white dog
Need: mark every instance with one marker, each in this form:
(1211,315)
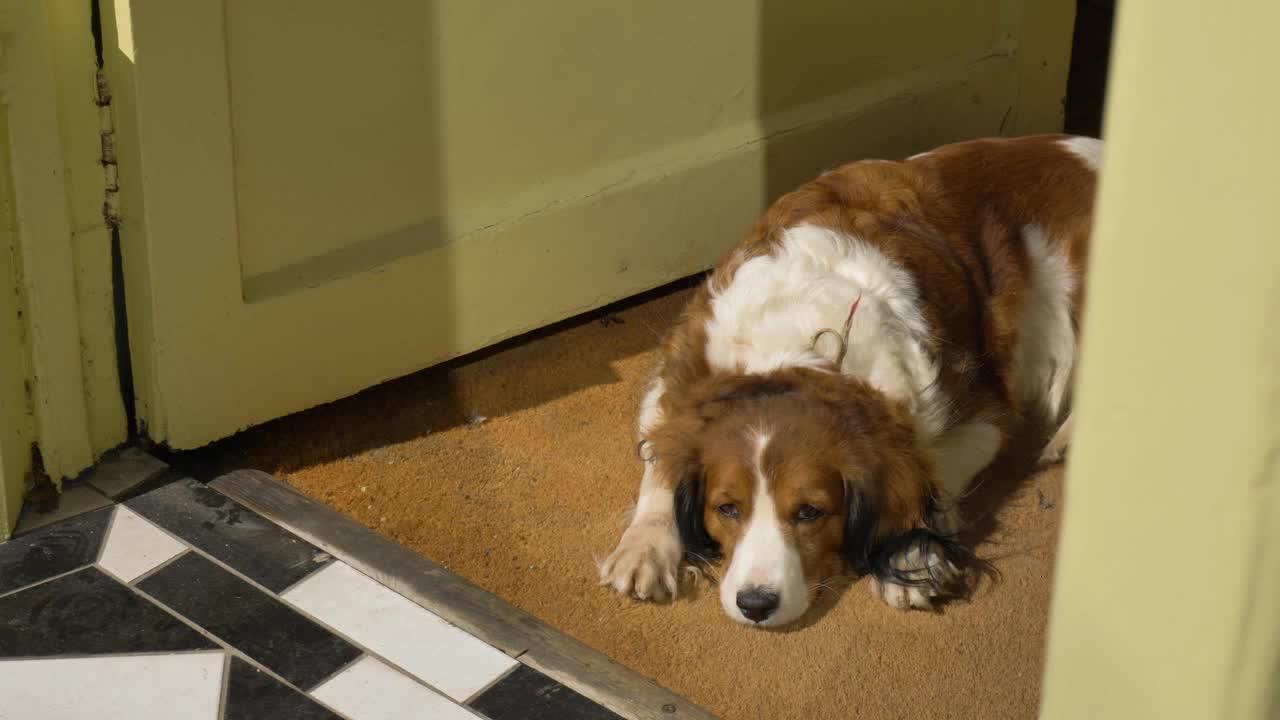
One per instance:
(845,372)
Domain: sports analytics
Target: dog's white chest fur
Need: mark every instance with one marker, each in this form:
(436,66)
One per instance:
(775,305)
(768,316)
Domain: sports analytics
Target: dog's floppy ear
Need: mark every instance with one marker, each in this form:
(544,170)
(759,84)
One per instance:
(887,493)
(948,570)
(945,569)
(674,447)
(870,549)
(690,501)
(887,532)
(860,524)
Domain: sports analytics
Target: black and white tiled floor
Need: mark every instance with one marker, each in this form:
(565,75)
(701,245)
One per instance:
(179,603)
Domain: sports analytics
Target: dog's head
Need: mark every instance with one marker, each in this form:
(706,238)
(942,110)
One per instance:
(785,479)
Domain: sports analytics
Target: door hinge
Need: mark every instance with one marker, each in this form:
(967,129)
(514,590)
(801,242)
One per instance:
(107,138)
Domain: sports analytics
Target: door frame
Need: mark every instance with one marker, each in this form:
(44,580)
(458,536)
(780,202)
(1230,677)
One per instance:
(59,382)
(1168,566)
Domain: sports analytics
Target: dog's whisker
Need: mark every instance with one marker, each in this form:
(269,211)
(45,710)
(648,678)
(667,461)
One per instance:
(706,569)
(833,583)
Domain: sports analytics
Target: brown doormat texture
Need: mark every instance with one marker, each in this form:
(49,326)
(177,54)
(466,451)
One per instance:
(516,468)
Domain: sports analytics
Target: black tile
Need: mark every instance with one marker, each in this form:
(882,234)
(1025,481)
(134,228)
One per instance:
(230,532)
(248,619)
(527,694)
(255,695)
(52,550)
(88,612)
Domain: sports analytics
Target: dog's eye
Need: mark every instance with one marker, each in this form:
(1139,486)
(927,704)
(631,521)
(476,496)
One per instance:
(807,513)
(728,510)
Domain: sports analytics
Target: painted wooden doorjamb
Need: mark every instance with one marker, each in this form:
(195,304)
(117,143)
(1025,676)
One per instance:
(59,329)
(15,411)
(1168,567)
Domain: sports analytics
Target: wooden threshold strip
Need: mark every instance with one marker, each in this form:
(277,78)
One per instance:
(484,615)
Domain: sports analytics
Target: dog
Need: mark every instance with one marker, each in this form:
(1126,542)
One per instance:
(843,374)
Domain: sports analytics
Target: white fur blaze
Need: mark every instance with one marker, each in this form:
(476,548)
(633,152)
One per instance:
(765,558)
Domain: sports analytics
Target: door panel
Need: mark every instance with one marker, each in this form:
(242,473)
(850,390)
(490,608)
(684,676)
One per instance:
(320,196)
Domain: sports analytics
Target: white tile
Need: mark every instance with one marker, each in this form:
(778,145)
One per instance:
(135,547)
(372,690)
(391,625)
(185,686)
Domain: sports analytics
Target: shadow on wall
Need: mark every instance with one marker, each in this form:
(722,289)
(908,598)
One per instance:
(436,399)
(794,40)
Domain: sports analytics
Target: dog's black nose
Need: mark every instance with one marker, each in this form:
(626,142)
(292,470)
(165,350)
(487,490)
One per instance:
(757,604)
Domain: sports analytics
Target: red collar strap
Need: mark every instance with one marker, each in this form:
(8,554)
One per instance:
(841,337)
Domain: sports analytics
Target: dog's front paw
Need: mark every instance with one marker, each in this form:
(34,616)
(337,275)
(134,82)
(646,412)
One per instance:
(644,564)
(922,578)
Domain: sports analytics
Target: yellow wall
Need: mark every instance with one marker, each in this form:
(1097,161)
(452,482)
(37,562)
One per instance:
(1167,597)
